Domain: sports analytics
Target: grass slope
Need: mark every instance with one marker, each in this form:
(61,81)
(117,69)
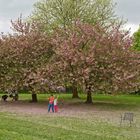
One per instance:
(13,127)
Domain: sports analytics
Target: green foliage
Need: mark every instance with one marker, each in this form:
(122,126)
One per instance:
(136,36)
(52,14)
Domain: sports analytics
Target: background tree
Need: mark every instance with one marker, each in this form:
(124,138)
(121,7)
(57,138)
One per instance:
(136,38)
(62,13)
(136,46)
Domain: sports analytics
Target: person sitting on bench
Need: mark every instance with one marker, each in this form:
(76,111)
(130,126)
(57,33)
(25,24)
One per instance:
(4,97)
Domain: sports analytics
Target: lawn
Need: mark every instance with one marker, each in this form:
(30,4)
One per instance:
(75,121)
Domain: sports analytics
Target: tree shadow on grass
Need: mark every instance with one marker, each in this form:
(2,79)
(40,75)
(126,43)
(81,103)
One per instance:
(103,105)
(115,106)
(78,103)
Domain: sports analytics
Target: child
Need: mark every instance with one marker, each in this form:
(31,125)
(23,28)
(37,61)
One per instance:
(51,103)
(56,104)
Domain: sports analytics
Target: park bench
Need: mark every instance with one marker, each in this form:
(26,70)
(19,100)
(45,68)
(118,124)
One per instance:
(128,116)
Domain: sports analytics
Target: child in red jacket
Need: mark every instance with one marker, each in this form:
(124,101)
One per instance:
(51,103)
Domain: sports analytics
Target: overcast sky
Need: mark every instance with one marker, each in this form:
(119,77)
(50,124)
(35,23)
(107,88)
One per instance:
(11,9)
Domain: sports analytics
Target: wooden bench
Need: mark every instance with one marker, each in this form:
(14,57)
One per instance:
(128,116)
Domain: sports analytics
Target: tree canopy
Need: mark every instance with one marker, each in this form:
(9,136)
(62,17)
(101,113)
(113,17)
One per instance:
(51,14)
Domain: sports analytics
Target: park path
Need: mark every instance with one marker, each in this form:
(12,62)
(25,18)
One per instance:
(70,110)
(81,110)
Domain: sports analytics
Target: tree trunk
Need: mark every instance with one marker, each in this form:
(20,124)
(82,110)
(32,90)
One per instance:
(34,98)
(89,97)
(74,92)
(16,97)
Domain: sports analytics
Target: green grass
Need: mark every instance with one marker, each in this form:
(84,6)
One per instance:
(96,97)
(118,102)
(102,101)
(15,126)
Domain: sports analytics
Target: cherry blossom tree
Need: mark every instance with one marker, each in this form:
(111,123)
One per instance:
(21,54)
(94,58)
(53,14)
(90,57)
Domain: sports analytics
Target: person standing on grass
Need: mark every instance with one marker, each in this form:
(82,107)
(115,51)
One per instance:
(51,103)
(56,104)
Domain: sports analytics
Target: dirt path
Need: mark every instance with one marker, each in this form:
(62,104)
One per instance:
(66,109)
(77,110)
